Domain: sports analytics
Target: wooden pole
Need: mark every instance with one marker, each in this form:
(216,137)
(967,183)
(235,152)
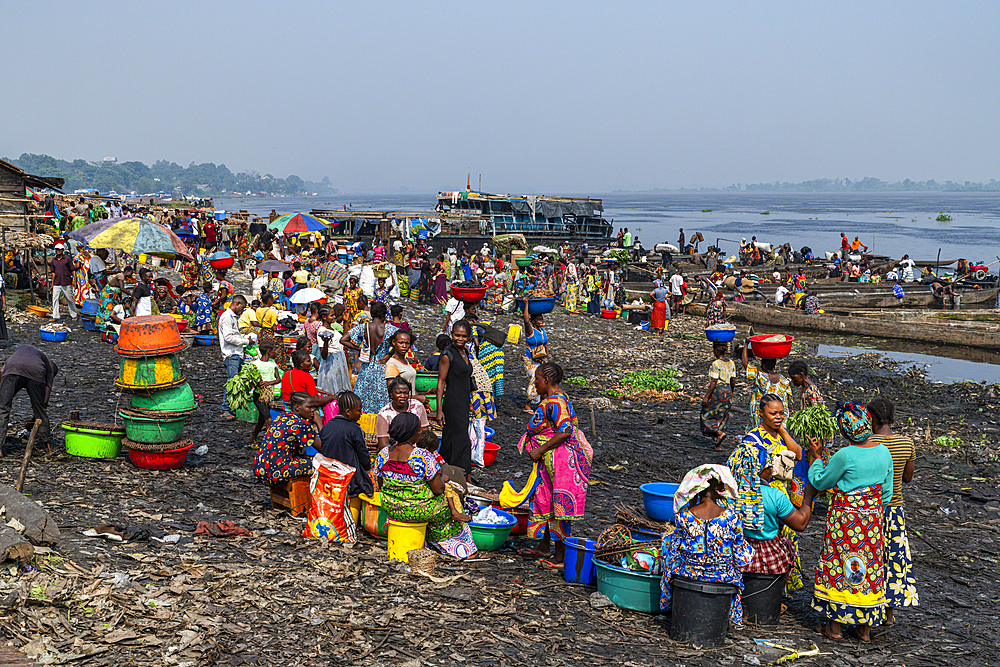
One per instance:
(27,455)
(593,424)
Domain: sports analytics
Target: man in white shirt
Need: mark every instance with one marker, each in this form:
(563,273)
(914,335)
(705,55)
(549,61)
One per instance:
(98,265)
(454,311)
(781,294)
(676,289)
(142,295)
(232,343)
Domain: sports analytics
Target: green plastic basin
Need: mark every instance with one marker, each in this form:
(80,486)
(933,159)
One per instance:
(638,591)
(491,538)
(432,406)
(92,442)
(152,430)
(173,399)
(426,382)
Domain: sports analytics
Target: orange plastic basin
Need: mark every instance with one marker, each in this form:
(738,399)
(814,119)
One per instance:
(149,335)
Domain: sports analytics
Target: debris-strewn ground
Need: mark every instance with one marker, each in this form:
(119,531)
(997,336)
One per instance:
(274,599)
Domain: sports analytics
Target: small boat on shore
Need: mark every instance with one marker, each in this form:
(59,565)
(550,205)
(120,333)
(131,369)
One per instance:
(916,328)
(921,297)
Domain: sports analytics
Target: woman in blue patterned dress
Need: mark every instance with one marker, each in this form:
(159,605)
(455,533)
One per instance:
(371,339)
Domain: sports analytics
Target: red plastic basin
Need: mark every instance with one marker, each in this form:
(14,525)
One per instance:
(472,294)
(222,262)
(609,314)
(522,519)
(162,460)
(490,455)
(775,350)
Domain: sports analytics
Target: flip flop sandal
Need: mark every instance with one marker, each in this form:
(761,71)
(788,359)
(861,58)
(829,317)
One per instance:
(557,566)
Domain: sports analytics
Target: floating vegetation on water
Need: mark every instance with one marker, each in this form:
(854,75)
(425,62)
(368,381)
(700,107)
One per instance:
(765,213)
(706,210)
(943,217)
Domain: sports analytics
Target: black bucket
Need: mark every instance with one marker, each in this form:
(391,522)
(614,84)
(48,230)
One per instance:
(762,595)
(699,611)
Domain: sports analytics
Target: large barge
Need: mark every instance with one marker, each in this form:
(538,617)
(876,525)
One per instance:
(477,217)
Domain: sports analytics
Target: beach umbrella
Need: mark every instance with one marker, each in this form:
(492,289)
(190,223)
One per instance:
(134,235)
(308,295)
(273,266)
(296,223)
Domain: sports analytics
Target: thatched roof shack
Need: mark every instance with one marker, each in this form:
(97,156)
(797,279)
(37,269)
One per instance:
(13,202)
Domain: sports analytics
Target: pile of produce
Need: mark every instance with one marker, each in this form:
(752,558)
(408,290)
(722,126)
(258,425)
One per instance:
(723,326)
(647,380)
(540,293)
(240,389)
(813,422)
(467,284)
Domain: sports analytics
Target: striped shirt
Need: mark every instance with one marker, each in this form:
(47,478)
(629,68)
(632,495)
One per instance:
(903,452)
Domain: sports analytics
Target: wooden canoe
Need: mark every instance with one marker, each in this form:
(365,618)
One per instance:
(985,335)
(918,297)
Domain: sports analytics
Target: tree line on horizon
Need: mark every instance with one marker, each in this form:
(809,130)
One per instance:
(194,180)
(867,184)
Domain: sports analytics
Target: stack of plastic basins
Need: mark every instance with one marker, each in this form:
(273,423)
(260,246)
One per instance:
(161,399)
(88,314)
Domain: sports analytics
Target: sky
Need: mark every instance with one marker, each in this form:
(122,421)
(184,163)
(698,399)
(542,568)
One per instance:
(545,97)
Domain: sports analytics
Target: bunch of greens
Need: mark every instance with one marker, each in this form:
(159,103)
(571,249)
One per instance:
(813,422)
(577,380)
(620,255)
(651,380)
(240,388)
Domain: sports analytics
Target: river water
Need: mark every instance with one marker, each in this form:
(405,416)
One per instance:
(890,223)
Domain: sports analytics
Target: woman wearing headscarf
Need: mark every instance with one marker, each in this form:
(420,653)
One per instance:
(412,489)
(850,577)
(707,543)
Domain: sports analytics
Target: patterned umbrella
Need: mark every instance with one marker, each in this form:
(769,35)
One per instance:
(134,235)
(296,223)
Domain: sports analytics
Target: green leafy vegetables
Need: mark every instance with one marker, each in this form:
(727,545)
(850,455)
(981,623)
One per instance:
(577,380)
(240,388)
(647,380)
(813,422)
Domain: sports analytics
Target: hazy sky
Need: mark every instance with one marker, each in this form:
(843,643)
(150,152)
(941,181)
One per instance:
(540,96)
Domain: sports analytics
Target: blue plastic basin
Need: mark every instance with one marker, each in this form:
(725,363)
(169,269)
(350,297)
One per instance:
(537,306)
(658,499)
(579,565)
(720,336)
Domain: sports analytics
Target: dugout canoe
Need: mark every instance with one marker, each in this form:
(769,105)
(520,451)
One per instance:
(983,335)
(919,297)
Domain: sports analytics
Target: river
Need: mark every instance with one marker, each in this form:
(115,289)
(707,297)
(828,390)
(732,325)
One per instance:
(890,223)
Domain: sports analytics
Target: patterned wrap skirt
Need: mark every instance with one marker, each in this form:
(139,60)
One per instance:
(850,577)
(715,415)
(415,502)
(901,587)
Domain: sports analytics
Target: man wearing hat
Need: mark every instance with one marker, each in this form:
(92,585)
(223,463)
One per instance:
(61,276)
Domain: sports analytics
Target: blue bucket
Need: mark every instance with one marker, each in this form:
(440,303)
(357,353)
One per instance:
(88,323)
(89,307)
(276,413)
(579,566)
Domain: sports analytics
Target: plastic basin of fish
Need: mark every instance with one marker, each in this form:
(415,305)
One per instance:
(426,382)
(471,294)
(658,499)
(767,350)
(93,443)
(53,336)
(489,537)
(538,306)
(167,459)
(490,454)
(153,430)
(720,335)
(628,589)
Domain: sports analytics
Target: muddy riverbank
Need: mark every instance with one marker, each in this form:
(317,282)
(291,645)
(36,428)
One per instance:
(276,599)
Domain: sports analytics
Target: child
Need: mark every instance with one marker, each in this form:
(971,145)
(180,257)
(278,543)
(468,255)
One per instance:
(268,395)
(342,439)
(396,317)
(442,343)
(718,399)
(454,480)
(302,343)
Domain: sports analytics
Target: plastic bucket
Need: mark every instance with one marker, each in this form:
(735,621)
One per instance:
(638,591)
(762,595)
(579,564)
(92,442)
(513,334)
(404,537)
(88,323)
(89,307)
(699,611)
(355,505)
(376,521)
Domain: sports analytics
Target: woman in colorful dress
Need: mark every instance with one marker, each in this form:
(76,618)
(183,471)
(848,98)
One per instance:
(661,311)
(440,278)
(491,357)
(197,303)
(81,277)
(707,543)
(371,340)
(412,489)
(110,297)
(772,435)
(850,584)
(333,375)
(400,401)
(901,587)
(564,458)
(287,448)
(715,311)
(798,374)
(275,284)
(571,290)
(351,305)
(764,380)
